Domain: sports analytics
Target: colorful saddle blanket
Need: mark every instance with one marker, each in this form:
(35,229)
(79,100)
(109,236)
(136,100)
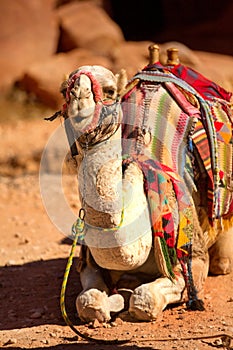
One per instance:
(210,133)
(162,131)
(218,100)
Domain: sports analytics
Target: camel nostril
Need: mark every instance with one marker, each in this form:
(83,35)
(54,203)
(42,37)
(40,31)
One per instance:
(88,94)
(85,94)
(72,91)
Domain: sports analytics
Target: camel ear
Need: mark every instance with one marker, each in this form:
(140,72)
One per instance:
(122,80)
(63,86)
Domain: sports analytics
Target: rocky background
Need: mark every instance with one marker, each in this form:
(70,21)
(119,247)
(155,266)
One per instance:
(41,41)
(44,40)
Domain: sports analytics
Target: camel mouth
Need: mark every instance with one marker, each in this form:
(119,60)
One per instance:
(85,113)
(78,115)
(80,121)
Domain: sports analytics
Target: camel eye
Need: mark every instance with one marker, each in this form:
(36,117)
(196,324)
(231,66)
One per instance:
(108,91)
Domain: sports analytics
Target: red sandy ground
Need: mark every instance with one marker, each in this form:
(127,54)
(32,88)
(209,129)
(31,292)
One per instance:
(33,256)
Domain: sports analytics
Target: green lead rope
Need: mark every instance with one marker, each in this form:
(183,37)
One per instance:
(78,231)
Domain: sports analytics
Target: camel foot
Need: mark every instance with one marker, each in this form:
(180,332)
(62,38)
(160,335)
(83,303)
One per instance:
(94,304)
(144,306)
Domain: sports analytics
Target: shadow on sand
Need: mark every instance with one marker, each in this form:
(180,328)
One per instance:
(31,294)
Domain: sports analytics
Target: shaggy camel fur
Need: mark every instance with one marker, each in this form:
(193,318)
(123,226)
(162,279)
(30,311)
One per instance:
(120,264)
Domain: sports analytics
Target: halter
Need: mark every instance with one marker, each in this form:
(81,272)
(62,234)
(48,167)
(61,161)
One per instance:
(100,129)
(95,85)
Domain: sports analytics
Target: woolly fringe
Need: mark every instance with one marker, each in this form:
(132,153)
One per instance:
(219,227)
(196,305)
(162,257)
(226,223)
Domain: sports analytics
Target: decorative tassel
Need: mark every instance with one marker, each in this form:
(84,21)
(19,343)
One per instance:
(167,258)
(196,305)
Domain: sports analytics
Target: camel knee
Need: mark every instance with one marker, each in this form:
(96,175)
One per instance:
(221,266)
(149,300)
(221,254)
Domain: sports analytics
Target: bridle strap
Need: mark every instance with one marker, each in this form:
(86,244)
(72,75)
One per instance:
(71,138)
(102,110)
(95,85)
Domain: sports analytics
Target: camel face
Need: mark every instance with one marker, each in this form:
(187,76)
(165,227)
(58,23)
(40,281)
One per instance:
(82,104)
(148,212)
(90,92)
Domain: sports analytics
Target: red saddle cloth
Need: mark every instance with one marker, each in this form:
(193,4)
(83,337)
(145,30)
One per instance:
(206,88)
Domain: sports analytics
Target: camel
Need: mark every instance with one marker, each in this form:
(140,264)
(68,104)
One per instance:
(151,232)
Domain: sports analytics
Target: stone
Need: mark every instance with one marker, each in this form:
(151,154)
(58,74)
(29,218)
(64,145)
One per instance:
(131,56)
(186,55)
(36,315)
(10,341)
(85,25)
(216,67)
(29,33)
(43,79)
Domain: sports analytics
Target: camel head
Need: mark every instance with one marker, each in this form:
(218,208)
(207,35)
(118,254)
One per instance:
(92,102)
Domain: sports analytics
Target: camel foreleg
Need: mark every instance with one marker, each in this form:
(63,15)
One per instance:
(150,299)
(94,302)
